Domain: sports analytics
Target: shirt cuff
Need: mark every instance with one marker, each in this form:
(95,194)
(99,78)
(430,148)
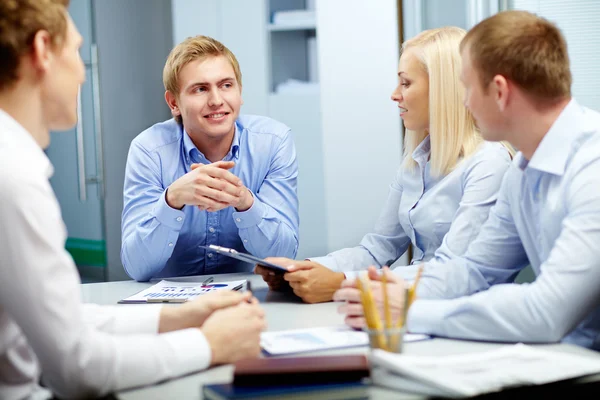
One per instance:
(351,274)
(326,261)
(191,350)
(124,319)
(250,217)
(427,316)
(168,216)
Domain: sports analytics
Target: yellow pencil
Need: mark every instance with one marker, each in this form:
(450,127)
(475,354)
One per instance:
(413,288)
(386,303)
(370,310)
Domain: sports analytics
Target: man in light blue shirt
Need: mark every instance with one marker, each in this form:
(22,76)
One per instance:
(517,78)
(208,176)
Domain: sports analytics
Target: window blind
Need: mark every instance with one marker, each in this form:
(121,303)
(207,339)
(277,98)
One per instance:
(579,21)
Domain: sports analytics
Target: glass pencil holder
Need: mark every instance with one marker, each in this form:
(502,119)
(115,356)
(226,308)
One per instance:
(390,339)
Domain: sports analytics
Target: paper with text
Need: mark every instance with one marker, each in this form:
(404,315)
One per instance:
(478,373)
(172,291)
(315,339)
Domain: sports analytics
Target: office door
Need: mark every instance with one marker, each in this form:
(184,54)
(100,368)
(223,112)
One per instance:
(77,158)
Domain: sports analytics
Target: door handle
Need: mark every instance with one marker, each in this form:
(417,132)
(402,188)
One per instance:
(99,178)
(81,178)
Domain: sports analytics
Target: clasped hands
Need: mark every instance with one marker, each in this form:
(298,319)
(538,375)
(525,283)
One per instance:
(210,187)
(230,321)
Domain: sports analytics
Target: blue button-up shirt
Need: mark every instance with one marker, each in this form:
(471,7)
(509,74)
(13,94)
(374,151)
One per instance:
(547,214)
(440,216)
(159,241)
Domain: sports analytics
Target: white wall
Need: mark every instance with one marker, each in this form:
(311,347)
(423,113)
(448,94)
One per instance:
(358,59)
(241,26)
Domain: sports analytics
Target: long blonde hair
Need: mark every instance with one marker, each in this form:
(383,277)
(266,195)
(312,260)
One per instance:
(454,133)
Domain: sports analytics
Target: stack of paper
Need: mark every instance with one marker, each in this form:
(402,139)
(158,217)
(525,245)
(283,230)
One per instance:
(316,339)
(474,374)
(179,292)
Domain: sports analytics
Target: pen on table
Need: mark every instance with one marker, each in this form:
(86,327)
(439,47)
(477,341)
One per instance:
(249,289)
(207,280)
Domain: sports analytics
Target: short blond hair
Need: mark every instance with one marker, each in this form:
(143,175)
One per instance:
(454,133)
(191,49)
(524,48)
(20,20)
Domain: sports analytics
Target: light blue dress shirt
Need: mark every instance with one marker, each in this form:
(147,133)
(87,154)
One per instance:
(440,216)
(159,241)
(547,214)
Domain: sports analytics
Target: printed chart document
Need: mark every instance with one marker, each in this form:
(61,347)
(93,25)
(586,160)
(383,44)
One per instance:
(314,339)
(473,374)
(167,291)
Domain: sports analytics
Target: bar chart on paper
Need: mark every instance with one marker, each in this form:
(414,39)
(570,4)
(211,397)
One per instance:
(179,292)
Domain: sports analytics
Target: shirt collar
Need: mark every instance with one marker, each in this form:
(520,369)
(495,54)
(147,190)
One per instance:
(191,149)
(421,153)
(553,151)
(20,138)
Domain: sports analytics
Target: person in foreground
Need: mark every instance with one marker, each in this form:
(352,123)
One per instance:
(78,350)
(444,189)
(209,176)
(517,79)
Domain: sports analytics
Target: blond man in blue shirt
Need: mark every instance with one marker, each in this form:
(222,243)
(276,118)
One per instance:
(208,176)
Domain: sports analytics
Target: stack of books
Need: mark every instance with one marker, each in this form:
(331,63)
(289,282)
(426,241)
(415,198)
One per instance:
(315,377)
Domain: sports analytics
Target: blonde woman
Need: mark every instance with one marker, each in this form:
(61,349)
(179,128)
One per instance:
(444,188)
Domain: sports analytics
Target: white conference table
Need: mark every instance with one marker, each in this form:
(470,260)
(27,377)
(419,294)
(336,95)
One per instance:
(283,311)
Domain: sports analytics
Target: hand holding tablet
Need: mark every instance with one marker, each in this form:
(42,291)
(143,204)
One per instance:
(245,257)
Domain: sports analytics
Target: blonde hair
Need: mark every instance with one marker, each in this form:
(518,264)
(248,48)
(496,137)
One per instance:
(191,49)
(524,48)
(19,23)
(454,133)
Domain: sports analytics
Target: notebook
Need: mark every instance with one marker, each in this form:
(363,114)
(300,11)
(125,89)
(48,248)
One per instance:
(167,291)
(301,370)
(327,391)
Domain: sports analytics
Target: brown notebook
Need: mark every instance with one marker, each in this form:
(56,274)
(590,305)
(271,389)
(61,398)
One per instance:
(298,370)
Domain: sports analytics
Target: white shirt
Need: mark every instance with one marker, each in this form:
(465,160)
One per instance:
(547,215)
(440,216)
(79,350)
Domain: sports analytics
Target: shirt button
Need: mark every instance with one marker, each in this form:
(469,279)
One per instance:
(179,219)
(210,255)
(245,240)
(211,229)
(170,244)
(238,220)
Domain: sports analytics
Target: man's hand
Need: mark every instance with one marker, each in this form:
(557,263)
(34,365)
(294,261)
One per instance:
(275,279)
(353,308)
(234,333)
(210,187)
(194,313)
(313,282)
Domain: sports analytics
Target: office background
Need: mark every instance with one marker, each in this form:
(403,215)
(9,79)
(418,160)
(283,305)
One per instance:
(328,76)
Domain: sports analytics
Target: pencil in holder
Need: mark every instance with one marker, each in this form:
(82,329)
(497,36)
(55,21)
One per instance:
(393,338)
